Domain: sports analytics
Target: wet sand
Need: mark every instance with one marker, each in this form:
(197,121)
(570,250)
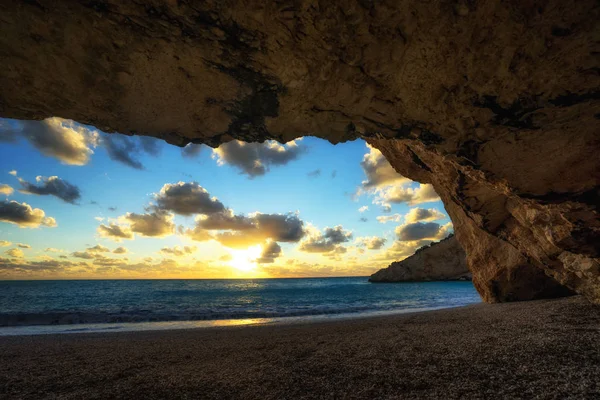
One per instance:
(535,350)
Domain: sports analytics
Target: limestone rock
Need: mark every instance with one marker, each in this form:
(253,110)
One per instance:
(442,261)
(496,103)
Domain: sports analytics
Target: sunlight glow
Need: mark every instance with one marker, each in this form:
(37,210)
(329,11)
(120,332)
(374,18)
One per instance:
(245,260)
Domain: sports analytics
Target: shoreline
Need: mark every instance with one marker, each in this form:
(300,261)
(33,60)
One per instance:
(539,349)
(173,325)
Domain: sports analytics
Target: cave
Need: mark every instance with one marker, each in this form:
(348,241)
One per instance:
(496,104)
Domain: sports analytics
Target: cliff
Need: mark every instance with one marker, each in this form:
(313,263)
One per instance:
(495,103)
(442,261)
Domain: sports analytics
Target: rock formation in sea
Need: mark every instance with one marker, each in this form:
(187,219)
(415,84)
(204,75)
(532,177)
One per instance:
(495,103)
(440,261)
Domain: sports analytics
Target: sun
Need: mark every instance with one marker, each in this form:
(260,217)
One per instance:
(245,260)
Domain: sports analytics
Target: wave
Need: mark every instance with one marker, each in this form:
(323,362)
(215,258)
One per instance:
(76,317)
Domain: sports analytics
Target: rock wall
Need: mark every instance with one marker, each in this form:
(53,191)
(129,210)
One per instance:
(442,261)
(496,103)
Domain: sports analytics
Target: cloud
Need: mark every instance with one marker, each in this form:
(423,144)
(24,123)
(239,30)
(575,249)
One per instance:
(225,220)
(7,132)
(314,174)
(326,241)
(421,231)
(120,250)
(155,224)
(179,251)
(400,250)
(23,215)
(422,214)
(53,186)
(270,251)
(98,249)
(378,170)
(5,243)
(277,227)
(13,172)
(6,190)
(122,149)
(191,150)
(198,234)
(65,140)
(333,174)
(83,254)
(150,145)
(23,245)
(187,198)
(398,194)
(384,219)
(244,231)
(372,242)
(52,250)
(255,159)
(17,253)
(363,209)
(115,232)
(363,219)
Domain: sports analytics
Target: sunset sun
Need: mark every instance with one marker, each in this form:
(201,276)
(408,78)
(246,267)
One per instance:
(245,260)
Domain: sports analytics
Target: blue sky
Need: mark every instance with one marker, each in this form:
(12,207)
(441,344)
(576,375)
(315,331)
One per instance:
(320,183)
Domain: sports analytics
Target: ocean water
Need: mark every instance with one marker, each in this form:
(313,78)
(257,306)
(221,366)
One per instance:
(29,307)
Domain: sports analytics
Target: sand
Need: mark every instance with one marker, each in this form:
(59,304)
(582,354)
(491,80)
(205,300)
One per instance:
(536,350)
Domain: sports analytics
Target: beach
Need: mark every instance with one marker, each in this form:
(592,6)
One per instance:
(547,349)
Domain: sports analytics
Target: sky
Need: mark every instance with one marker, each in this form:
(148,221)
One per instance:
(78,203)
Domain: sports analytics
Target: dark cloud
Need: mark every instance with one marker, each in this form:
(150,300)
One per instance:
(112,208)
(246,231)
(187,198)
(23,215)
(83,254)
(422,214)
(225,220)
(65,140)
(255,159)
(327,241)
(23,245)
(270,252)
(421,231)
(314,174)
(363,219)
(7,133)
(53,186)
(122,149)
(191,150)
(155,224)
(333,174)
(150,145)
(115,232)
(279,227)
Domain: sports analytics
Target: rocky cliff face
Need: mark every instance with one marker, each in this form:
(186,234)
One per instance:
(496,103)
(442,261)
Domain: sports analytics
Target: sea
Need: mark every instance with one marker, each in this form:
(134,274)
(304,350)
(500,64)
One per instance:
(79,306)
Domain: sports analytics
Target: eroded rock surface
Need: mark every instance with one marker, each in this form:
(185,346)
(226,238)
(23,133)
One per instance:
(496,103)
(442,261)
